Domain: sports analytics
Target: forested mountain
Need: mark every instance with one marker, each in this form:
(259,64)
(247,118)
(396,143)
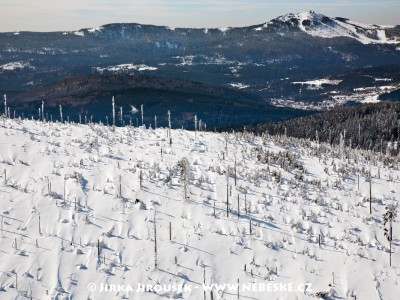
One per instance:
(304,60)
(90,97)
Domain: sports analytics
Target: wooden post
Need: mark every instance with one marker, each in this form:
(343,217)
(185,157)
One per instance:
(390,253)
(140,179)
(370,194)
(245,201)
(390,242)
(98,248)
(155,241)
(204,282)
(235,171)
(120,116)
(250,224)
(319,240)
(48,186)
(238,208)
(170,231)
(227,196)
(238,289)
(120,186)
(40,229)
(214,209)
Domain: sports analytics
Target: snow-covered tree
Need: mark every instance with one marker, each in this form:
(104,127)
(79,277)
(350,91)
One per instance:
(388,218)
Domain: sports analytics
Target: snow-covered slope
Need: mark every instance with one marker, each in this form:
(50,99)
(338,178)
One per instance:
(320,25)
(69,192)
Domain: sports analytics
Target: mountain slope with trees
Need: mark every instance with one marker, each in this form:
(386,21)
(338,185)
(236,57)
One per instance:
(370,126)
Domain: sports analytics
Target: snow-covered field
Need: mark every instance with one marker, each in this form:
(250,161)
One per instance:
(125,68)
(318,82)
(70,192)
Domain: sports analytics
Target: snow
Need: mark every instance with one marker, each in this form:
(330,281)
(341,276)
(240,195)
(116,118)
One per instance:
(216,59)
(79,33)
(125,68)
(387,87)
(16,65)
(338,28)
(371,99)
(318,82)
(91,162)
(335,99)
(94,30)
(224,29)
(264,26)
(362,89)
(369,26)
(239,85)
(383,79)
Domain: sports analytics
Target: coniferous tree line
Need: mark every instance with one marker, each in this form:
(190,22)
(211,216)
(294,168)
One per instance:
(373,127)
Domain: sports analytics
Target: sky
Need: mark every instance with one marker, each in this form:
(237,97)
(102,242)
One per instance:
(59,15)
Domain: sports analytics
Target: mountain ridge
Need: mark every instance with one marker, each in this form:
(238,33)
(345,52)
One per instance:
(303,20)
(264,60)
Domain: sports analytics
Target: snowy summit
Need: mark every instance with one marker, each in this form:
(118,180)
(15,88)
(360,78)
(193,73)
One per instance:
(320,25)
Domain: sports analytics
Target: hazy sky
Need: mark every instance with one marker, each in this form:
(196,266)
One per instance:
(53,15)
